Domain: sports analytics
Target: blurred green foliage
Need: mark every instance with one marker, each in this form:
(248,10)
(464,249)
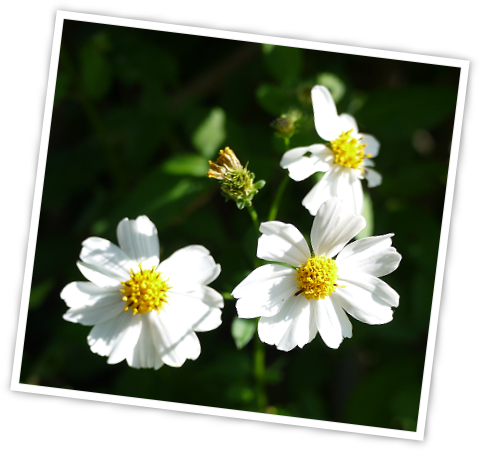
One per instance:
(137,116)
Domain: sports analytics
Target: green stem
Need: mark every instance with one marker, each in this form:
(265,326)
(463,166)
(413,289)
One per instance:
(259,371)
(259,350)
(276,203)
(254,216)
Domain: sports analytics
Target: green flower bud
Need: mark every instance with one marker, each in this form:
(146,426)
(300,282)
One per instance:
(236,181)
(285,125)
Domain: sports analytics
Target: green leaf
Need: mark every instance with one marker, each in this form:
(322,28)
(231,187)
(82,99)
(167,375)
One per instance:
(284,63)
(187,164)
(243,330)
(95,71)
(334,84)
(210,134)
(273,99)
(397,113)
(61,88)
(40,292)
(69,171)
(164,198)
(367,213)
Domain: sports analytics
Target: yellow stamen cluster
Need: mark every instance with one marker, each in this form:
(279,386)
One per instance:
(145,291)
(317,278)
(348,150)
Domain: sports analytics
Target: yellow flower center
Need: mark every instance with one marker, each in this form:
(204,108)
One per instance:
(317,278)
(145,291)
(348,150)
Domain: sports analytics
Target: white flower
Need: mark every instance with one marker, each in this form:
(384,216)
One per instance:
(345,159)
(142,310)
(314,292)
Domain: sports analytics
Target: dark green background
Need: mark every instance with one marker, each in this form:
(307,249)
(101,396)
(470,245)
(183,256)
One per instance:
(137,116)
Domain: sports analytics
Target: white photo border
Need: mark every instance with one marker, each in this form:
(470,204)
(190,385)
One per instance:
(61,16)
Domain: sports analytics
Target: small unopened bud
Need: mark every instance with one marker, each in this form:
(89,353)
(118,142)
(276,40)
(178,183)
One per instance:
(236,181)
(285,125)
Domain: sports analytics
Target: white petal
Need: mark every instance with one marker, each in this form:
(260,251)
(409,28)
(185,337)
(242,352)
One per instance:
(347,123)
(325,114)
(373,146)
(191,309)
(313,323)
(338,182)
(189,267)
(282,243)
(79,294)
(332,322)
(300,166)
(212,298)
(373,255)
(138,238)
(126,341)
(380,291)
(174,340)
(264,291)
(349,189)
(290,327)
(318,194)
(145,354)
(104,336)
(373,177)
(89,304)
(97,275)
(333,227)
(107,256)
(363,305)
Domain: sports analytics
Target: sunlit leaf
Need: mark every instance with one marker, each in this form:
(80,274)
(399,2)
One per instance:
(334,84)
(243,331)
(210,134)
(367,213)
(187,164)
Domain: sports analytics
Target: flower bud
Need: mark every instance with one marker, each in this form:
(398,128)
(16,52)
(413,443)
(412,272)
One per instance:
(285,125)
(236,181)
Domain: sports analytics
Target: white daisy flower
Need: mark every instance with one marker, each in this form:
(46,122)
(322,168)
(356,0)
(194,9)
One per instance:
(144,310)
(346,159)
(315,290)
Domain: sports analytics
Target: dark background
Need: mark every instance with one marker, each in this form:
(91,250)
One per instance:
(137,116)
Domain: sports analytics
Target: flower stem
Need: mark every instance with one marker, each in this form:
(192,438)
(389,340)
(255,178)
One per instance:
(276,203)
(259,371)
(259,350)
(254,216)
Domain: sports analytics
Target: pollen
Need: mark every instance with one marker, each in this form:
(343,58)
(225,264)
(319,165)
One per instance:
(317,278)
(145,291)
(349,152)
